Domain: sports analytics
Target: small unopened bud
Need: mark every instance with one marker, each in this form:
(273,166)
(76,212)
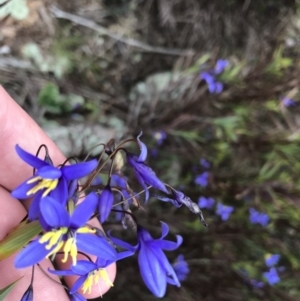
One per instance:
(28,295)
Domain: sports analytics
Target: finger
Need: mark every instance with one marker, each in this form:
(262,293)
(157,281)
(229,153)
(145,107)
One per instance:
(11,213)
(16,127)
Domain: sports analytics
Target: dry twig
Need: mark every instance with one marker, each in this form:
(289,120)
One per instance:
(104,31)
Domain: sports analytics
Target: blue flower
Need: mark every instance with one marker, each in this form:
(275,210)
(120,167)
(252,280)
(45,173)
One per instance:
(90,272)
(155,269)
(144,174)
(105,203)
(272,276)
(159,136)
(204,163)
(258,217)
(257,284)
(288,102)
(202,179)
(214,86)
(66,232)
(28,295)
(181,268)
(48,180)
(224,211)
(204,202)
(272,260)
(220,66)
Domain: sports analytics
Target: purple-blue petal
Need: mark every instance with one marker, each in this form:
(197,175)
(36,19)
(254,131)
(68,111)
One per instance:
(143,184)
(28,295)
(21,191)
(76,297)
(168,200)
(151,271)
(124,254)
(164,230)
(54,213)
(60,193)
(95,245)
(106,200)
(49,172)
(34,209)
(166,265)
(84,211)
(83,267)
(143,148)
(118,180)
(207,77)
(221,65)
(29,158)
(78,283)
(166,244)
(146,173)
(219,87)
(62,272)
(31,254)
(123,244)
(78,170)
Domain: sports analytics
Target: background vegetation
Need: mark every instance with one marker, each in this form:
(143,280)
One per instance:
(90,70)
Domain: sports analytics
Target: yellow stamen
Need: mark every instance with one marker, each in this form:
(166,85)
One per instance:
(85,230)
(87,285)
(70,247)
(56,249)
(53,237)
(94,277)
(49,184)
(103,274)
(34,180)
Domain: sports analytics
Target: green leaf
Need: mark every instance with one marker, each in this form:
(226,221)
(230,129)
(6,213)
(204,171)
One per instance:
(18,238)
(191,136)
(5,291)
(196,67)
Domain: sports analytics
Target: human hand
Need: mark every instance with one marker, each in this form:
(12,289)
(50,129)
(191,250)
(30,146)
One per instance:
(16,127)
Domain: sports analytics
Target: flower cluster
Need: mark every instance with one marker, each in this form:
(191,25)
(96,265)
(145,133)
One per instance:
(223,211)
(64,207)
(272,275)
(202,178)
(258,217)
(214,86)
(288,102)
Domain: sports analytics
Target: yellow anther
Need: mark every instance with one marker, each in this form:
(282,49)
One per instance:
(49,184)
(34,180)
(103,274)
(67,248)
(94,277)
(87,285)
(85,230)
(56,249)
(53,237)
(46,237)
(70,247)
(73,253)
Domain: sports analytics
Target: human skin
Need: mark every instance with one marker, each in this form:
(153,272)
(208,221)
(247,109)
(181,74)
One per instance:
(16,127)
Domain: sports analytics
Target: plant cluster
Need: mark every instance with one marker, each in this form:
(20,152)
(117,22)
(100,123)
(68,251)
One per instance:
(63,209)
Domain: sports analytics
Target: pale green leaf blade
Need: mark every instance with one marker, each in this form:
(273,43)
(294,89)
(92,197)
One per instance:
(6,290)
(18,238)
